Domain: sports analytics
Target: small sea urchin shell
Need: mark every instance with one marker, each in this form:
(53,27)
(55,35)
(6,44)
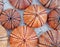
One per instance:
(10,18)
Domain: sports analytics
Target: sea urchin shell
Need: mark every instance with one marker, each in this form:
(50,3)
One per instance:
(20,4)
(35,16)
(50,38)
(10,18)
(23,36)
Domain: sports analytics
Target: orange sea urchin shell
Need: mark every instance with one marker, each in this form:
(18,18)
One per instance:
(10,18)
(50,38)
(23,36)
(54,19)
(35,16)
(20,4)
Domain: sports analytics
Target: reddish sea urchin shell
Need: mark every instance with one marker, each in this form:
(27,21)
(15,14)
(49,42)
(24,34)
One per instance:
(54,19)
(10,18)
(35,16)
(50,3)
(23,36)
(50,38)
(20,4)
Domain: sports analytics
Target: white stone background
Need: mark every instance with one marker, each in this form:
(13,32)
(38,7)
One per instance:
(39,31)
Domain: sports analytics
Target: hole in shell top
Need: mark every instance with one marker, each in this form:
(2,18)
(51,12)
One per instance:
(24,40)
(10,18)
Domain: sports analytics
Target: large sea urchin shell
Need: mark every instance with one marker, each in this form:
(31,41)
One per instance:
(23,36)
(35,16)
